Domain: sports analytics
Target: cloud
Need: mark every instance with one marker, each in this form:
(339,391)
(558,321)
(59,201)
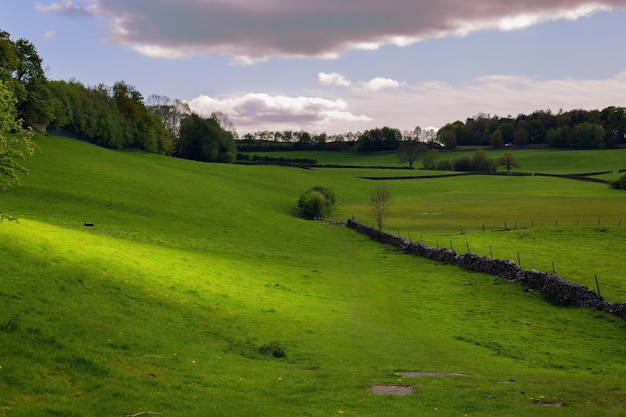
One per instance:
(373,85)
(333,79)
(257,30)
(435,103)
(380,83)
(261,111)
(66,7)
(432,103)
(50,34)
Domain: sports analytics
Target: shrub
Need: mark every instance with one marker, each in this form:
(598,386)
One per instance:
(461,164)
(316,203)
(445,165)
(431,159)
(274,348)
(480,162)
(620,183)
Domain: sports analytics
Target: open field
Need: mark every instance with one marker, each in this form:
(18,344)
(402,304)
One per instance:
(190,268)
(552,161)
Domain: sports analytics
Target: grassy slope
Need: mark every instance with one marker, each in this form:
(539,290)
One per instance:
(191,266)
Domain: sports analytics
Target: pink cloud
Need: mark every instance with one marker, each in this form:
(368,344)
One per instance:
(256,30)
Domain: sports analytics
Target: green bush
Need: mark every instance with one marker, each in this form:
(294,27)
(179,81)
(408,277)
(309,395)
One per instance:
(620,183)
(462,163)
(316,203)
(274,348)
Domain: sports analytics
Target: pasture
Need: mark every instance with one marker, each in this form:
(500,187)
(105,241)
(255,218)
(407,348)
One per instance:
(191,269)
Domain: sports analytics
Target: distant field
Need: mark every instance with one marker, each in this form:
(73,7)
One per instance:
(191,268)
(551,161)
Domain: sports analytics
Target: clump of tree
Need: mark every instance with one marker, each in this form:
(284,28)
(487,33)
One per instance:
(21,71)
(203,139)
(380,201)
(577,129)
(316,203)
(111,116)
(385,139)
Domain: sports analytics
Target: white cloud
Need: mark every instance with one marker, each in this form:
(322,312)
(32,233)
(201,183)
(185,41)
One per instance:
(66,7)
(435,103)
(257,30)
(380,83)
(333,79)
(430,103)
(261,111)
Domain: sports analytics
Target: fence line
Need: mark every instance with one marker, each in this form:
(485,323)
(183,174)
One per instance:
(561,291)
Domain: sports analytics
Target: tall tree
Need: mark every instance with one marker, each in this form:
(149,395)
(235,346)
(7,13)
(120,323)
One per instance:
(447,138)
(21,68)
(172,113)
(15,141)
(496,140)
(204,140)
(225,123)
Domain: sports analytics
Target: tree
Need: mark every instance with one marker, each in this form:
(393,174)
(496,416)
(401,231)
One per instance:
(172,114)
(380,200)
(480,162)
(204,140)
(225,123)
(409,151)
(23,75)
(14,140)
(521,137)
(589,136)
(316,203)
(431,157)
(373,140)
(508,130)
(447,138)
(496,140)
(536,131)
(507,160)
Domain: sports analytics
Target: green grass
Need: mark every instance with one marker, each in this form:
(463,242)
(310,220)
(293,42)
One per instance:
(552,161)
(191,268)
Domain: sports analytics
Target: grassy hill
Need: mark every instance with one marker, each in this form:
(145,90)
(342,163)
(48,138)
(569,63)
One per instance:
(191,269)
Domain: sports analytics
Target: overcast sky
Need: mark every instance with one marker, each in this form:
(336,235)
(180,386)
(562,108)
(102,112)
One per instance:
(338,65)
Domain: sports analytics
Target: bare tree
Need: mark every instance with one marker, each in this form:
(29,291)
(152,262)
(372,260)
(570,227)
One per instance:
(171,112)
(409,151)
(380,200)
(225,123)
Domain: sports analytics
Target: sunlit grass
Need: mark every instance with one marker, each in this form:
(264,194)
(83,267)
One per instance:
(190,268)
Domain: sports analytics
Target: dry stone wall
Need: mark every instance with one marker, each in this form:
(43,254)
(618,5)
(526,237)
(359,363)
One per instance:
(559,290)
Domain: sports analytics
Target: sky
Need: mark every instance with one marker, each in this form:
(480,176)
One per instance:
(338,66)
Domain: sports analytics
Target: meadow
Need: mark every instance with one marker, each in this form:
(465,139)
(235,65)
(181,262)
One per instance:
(190,270)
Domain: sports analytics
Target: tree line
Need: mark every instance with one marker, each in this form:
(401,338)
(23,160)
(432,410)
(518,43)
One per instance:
(115,116)
(574,129)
